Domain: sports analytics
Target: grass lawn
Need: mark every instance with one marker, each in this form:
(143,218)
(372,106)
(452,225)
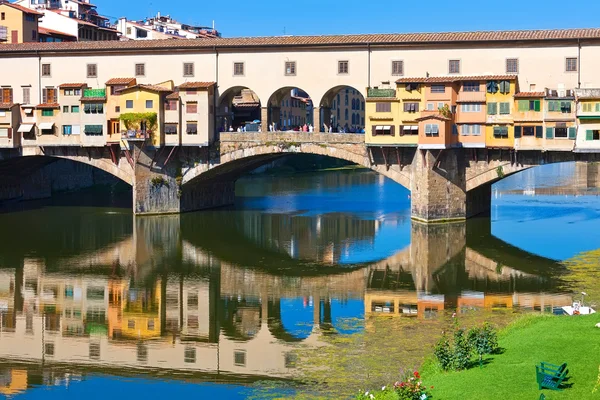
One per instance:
(511,375)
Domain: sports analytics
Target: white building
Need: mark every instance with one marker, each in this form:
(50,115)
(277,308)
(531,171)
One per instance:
(162,27)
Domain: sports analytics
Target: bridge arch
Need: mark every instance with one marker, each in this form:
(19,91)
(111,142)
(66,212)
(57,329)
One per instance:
(238,157)
(30,163)
(289,107)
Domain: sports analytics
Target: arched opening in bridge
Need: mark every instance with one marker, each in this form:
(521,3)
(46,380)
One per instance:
(239,109)
(241,318)
(290,109)
(342,109)
(63,180)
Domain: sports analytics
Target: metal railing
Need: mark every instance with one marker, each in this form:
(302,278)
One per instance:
(94,93)
(373,92)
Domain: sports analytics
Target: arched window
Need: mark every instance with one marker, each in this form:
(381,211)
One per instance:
(346,102)
(346,114)
(338,113)
(363,121)
(353,119)
(347,90)
(362,107)
(338,98)
(334,107)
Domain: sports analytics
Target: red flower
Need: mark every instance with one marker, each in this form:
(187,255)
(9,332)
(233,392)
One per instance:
(416,374)
(432,387)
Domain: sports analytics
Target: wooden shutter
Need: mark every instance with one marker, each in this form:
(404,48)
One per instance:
(518,130)
(539,132)
(573,132)
(10,133)
(401,130)
(44,96)
(536,105)
(589,134)
(392,130)
(373,130)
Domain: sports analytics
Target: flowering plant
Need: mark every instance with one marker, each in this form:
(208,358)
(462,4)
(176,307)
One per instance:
(411,387)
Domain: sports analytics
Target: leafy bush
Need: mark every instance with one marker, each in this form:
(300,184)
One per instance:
(443,353)
(456,354)
(411,387)
(484,340)
(462,350)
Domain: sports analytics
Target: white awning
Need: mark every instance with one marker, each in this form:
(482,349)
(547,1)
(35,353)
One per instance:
(46,125)
(386,128)
(413,127)
(25,128)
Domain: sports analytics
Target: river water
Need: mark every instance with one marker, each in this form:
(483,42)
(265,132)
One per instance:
(318,277)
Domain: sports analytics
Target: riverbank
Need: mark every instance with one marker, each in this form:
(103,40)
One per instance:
(527,342)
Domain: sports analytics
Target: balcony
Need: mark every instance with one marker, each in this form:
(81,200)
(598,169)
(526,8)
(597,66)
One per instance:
(94,93)
(135,134)
(381,93)
(471,97)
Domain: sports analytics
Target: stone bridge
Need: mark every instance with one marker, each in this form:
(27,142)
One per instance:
(446,185)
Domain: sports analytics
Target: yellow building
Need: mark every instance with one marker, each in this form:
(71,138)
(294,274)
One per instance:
(141,313)
(18,24)
(500,108)
(560,120)
(113,107)
(142,111)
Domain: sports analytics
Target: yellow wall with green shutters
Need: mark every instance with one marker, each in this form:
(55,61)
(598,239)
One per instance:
(139,96)
(494,141)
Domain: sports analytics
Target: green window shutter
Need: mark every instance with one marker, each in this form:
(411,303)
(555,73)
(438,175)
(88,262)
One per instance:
(589,135)
(523,105)
(504,108)
(537,105)
(549,133)
(551,106)
(517,132)
(492,108)
(496,130)
(572,132)
(597,106)
(539,131)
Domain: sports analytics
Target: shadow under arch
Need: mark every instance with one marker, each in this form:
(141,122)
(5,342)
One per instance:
(240,318)
(276,325)
(236,106)
(343,106)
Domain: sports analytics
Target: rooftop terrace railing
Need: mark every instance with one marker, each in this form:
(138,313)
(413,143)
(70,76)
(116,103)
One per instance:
(374,92)
(94,93)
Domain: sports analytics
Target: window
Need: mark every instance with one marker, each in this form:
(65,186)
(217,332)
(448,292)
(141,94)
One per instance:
(411,107)
(561,133)
(189,355)
(191,108)
(171,105)
(93,130)
(501,132)
(454,66)
(129,104)
(383,130)
(65,109)
(47,113)
(95,351)
(571,64)
(92,70)
(170,129)
(68,92)
(410,130)
(26,95)
(142,349)
(6,95)
(587,107)
(188,69)
(149,103)
(438,89)
(75,109)
(565,107)
(117,109)
(93,108)
(512,65)
(140,69)
(49,96)
(467,130)
(470,107)
(131,324)
(239,358)
(527,130)
(29,18)
(471,87)
(430,106)
(504,87)
(67,130)
(2,16)
(33,34)
(128,30)
(432,130)
(529,105)
(192,128)
(504,108)
(290,68)
(592,134)
(49,349)
(397,68)
(440,105)
(290,360)
(342,67)
(150,324)
(238,68)
(45,69)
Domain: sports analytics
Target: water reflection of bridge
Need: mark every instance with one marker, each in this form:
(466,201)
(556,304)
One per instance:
(125,310)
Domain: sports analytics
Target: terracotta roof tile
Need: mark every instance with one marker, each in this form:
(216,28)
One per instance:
(326,40)
(433,116)
(153,88)
(46,31)
(452,79)
(21,8)
(529,94)
(48,105)
(6,106)
(196,85)
(92,99)
(72,85)
(120,81)
(173,96)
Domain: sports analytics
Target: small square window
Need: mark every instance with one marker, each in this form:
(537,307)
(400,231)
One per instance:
(129,104)
(92,70)
(117,108)
(290,68)
(140,69)
(342,67)
(49,349)
(397,67)
(239,358)
(131,324)
(189,355)
(65,109)
(95,351)
(454,66)
(512,65)
(238,68)
(45,69)
(2,16)
(571,64)
(188,69)
(149,103)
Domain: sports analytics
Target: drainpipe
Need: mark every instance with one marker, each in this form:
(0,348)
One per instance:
(579,63)
(369,65)
(215,94)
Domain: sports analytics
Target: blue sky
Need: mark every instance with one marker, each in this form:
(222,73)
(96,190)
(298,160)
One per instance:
(314,17)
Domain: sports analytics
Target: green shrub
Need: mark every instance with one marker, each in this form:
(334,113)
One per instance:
(484,340)
(462,350)
(443,353)
(456,354)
